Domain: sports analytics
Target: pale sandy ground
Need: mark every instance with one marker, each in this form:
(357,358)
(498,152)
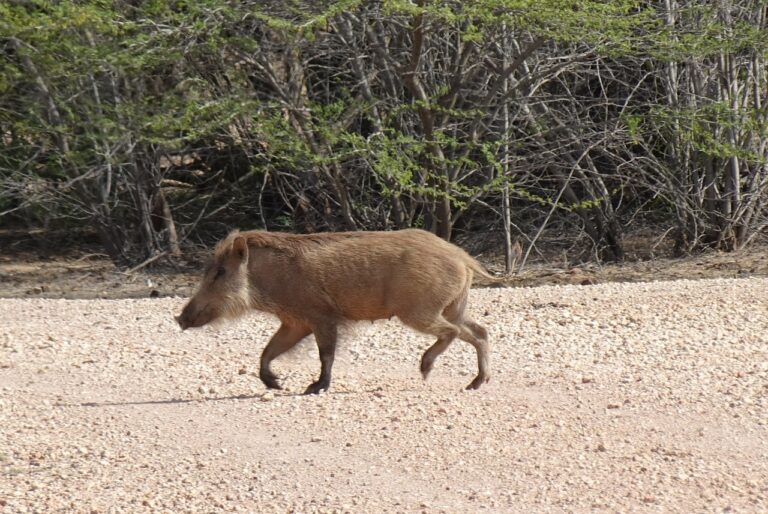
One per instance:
(607,398)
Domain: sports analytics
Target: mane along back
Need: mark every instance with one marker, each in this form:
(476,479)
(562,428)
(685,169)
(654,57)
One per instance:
(289,244)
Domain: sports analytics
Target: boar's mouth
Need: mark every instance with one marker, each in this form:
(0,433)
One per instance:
(194,318)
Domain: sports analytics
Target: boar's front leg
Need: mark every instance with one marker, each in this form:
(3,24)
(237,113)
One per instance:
(286,337)
(325,335)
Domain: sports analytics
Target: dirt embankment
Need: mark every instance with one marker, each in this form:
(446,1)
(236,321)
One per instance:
(26,274)
(610,398)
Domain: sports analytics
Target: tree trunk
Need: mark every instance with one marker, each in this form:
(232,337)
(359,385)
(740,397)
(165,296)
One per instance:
(162,212)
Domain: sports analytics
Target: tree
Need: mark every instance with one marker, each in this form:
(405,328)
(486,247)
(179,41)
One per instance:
(163,123)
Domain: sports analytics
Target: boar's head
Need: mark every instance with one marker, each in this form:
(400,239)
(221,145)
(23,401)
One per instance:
(223,291)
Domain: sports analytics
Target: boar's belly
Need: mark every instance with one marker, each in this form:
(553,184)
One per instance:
(365,311)
(364,304)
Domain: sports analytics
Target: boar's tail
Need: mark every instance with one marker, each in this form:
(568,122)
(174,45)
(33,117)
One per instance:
(480,270)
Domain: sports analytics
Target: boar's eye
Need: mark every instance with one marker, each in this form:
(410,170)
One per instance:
(219,273)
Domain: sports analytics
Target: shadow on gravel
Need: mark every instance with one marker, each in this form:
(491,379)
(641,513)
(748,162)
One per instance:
(160,402)
(173,401)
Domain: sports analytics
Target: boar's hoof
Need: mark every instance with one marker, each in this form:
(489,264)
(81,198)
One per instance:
(270,381)
(477,382)
(316,387)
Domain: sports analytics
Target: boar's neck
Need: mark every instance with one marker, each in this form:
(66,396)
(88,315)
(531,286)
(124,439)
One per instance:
(276,280)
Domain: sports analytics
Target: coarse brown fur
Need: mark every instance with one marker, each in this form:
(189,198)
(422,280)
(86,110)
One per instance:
(314,282)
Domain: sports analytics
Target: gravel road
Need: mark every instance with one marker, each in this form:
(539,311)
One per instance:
(608,398)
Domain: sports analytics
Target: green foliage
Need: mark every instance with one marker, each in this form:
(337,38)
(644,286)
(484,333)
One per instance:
(93,95)
(706,128)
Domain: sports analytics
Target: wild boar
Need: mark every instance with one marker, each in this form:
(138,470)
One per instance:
(314,282)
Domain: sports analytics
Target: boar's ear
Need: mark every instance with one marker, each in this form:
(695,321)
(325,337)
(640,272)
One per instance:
(240,248)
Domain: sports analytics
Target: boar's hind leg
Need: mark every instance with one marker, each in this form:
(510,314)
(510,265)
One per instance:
(477,330)
(432,353)
(284,339)
(474,334)
(326,344)
(477,336)
(445,331)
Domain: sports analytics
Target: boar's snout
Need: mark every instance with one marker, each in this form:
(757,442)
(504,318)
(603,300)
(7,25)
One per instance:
(193,317)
